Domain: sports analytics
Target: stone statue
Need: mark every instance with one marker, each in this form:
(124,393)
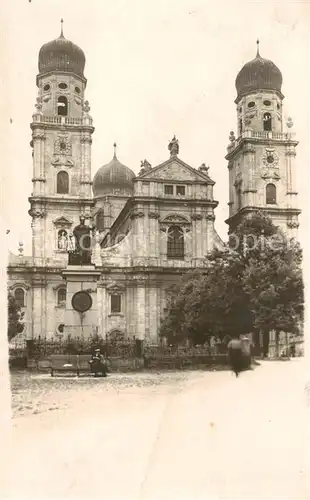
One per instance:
(81,255)
(62,240)
(145,167)
(174,146)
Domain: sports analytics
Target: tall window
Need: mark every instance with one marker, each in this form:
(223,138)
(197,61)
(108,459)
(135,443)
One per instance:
(267,122)
(271,194)
(175,243)
(62,182)
(62,106)
(240,126)
(116,303)
(20,297)
(61,296)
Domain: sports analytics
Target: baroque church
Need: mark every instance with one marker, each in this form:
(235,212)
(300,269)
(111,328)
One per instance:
(142,230)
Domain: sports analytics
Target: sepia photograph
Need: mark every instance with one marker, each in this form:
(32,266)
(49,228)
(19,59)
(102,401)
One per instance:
(154,220)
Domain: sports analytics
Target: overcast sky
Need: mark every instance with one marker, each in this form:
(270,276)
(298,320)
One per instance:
(154,69)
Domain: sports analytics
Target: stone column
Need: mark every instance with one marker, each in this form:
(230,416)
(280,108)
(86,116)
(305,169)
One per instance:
(140,310)
(210,218)
(153,237)
(86,142)
(38,307)
(198,236)
(139,252)
(291,188)
(249,187)
(153,314)
(38,180)
(38,233)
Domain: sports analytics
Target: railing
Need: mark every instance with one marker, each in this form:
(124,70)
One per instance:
(252,134)
(65,120)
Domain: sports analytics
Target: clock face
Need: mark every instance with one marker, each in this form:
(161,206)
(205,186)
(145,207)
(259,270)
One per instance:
(270,158)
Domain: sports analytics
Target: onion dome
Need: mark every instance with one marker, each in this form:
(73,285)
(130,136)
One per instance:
(258,74)
(113,177)
(61,55)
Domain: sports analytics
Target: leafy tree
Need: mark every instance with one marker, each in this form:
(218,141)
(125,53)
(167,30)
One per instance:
(254,286)
(15,316)
(274,285)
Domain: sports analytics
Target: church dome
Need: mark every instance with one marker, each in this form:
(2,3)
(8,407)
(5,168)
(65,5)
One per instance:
(61,55)
(113,177)
(258,74)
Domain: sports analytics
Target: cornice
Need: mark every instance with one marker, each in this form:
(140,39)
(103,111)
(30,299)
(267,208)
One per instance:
(258,141)
(45,200)
(62,126)
(270,210)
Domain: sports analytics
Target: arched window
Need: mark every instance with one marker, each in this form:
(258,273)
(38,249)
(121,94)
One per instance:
(175,243)
(61,296)
(62,106)
(19,295)
(267,122)
(62,182)
(271,194)
(62,240)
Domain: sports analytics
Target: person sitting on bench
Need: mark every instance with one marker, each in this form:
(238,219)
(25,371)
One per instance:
(98,364)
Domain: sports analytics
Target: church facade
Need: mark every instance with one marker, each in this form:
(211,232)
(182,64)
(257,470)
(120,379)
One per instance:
(144,230)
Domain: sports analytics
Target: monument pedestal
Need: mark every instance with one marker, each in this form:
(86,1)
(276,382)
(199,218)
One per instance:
(81,315)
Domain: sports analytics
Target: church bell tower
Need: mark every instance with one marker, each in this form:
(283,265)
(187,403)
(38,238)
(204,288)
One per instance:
(61,140)
(261,159)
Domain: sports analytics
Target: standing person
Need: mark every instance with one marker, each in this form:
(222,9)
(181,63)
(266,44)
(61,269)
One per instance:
(236,355)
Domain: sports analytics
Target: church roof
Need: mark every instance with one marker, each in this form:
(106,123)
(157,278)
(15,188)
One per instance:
(111,177)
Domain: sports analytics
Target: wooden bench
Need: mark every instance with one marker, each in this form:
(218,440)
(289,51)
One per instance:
(75,363)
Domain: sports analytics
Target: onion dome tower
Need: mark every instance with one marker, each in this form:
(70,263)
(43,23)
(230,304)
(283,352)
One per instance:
(262,174)
(62,131)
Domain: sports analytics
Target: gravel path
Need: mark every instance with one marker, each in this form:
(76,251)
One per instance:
(183,435)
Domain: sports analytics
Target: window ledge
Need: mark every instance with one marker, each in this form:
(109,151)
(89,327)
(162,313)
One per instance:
(116,314)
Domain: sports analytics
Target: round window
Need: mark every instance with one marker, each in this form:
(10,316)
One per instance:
(81,301)
(46,87)
(267,103)
(251,104)
(63,86)
(62,146)
(77,90)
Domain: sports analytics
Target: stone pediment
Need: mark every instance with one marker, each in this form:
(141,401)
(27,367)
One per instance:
(62,221)
(175,169)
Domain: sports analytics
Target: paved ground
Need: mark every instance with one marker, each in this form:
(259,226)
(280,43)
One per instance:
(185,435)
